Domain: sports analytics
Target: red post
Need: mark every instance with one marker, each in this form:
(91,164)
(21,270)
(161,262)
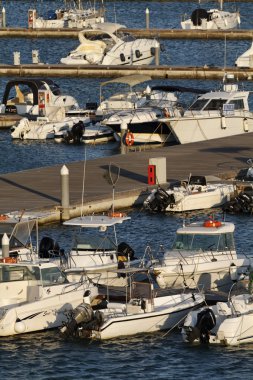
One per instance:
(151,175)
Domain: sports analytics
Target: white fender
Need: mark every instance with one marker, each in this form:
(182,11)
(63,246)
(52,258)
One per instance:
(245,125)
(223,122)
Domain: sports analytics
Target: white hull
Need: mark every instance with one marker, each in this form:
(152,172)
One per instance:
(188,129)
(233,323)
(215,275)
(40,315)
(246,59)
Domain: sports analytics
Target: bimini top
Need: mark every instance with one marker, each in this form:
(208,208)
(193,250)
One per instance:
(206,229)
(97,221)
(131,80)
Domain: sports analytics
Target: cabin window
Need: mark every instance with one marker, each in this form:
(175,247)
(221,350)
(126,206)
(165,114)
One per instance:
(52,276)
(238,104)
(9,273)
(122,57)
(203,242)
(198,105)
(215,104)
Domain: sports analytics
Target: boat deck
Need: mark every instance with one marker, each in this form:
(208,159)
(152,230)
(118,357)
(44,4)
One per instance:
(40,189)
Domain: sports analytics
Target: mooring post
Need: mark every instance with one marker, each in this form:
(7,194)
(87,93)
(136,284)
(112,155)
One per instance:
(147,18)
(65,192)
(5,246)
(16,56)
(35,56)
(3,18)
(157,54)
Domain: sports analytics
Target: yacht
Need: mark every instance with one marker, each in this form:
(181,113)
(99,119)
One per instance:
(203,255)
(211,19)
(108,44)
(213,115)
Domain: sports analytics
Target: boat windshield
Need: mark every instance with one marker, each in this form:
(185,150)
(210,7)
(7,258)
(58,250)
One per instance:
(94,243)
(198,105)
(48,276)
(204,242)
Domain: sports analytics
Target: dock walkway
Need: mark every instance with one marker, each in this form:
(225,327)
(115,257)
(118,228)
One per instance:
(40,189)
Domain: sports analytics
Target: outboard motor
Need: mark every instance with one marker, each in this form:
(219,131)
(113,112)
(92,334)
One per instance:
(125,250)
(205,323)
(198,15)
(75,134)
(161,200)
(49,248)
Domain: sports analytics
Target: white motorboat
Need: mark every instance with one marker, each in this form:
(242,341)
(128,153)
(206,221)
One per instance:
(203,255)
(143,313)
(108,44)
(35,97)
(46,127)
(194,194)
(226,323)
(37,296)
(84,133)
(246,59)
(213,115)
(126,97)
(211,19)
(97,253)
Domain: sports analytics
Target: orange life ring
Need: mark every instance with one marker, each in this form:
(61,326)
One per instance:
(3,217)
(116,214)
(212,223)
(129,138)
(10,260)
(166,112)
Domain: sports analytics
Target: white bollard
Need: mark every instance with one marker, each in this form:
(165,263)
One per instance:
(147,18)
(251,61)
(3,18)
(65,192)
(157,55)
(16,55)
(35,56)
(5,246)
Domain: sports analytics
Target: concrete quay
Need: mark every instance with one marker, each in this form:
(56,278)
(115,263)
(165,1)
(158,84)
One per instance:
(39,190)
(235,34)
(97,71)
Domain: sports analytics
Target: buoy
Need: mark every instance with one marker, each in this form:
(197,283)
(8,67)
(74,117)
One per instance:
(129,138)
(212,223)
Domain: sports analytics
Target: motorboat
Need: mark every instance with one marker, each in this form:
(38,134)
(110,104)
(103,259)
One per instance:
(212,19)
(96,250)
(203,255)
(46,127)
(35,97)
(108,44)
(193,194)
(246,59)
(213,115)
(84,133)
(225,323)
(126,97)
(37,296)
(143,122)
(144,312)
(76,14)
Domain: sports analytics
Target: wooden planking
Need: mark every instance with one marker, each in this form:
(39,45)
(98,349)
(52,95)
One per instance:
(40,188)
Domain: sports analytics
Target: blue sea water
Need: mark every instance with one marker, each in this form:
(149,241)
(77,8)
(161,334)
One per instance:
(44,356)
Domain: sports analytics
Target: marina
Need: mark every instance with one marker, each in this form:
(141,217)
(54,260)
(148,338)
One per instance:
(94,283)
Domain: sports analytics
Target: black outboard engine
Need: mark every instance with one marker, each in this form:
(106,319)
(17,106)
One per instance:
(205,323)
(198,15)
(161,200)
(125,250)
(49,248)
(75,134)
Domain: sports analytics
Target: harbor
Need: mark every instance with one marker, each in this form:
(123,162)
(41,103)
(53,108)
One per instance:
(126,184)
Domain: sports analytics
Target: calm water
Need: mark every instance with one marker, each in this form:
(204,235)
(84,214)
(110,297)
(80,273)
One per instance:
(47,355)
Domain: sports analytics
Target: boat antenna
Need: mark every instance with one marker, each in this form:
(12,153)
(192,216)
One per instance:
(225,53)
(84,173)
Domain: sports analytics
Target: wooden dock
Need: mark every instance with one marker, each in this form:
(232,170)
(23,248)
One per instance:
(235,34)
(98,71)
(40,189)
